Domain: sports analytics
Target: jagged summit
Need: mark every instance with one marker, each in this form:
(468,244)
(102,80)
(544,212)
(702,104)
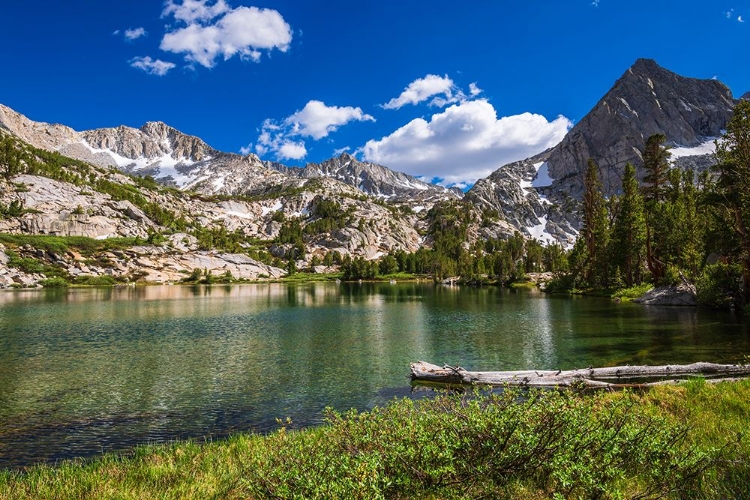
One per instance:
(372,179)
(745,96)
(646,100)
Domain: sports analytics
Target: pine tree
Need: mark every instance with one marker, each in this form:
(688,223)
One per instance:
(656,164)
(595,229)
(733,186)
(629,232)
(656,184)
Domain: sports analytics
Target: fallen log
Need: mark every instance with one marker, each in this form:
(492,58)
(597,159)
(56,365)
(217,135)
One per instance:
(609,377)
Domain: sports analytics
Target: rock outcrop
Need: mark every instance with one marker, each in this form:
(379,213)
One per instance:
(673,295)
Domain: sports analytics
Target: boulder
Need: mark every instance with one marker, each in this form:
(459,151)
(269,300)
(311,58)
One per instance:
(672,295)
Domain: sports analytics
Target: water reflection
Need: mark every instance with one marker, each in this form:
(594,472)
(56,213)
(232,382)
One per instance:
(87,370)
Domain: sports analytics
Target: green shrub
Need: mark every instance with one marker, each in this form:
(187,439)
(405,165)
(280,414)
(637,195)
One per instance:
(548,441)
(94,280)
(633,292)
(718,286)
(54,283)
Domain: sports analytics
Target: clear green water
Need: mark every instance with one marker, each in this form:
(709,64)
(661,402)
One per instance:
(89,370)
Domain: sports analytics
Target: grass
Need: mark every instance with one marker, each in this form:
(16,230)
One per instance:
(671,442)
(628,294)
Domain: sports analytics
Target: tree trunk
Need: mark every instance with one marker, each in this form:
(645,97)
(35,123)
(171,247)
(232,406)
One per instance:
(611,377)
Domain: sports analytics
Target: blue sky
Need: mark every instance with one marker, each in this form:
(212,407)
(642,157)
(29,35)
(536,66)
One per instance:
(438,89)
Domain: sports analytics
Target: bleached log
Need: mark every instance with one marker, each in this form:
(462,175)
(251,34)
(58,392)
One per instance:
(609,377)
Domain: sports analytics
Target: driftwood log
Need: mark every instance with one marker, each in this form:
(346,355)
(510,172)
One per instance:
(611,377)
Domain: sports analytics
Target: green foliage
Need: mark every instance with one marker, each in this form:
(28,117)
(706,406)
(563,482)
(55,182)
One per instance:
(732,197)
(629,230)
(656,164)
(670,442)
(94,280)
(718,286)
(592,263)
(358,268)
(62,244)
(13,209)
(54,283)
(633,292)
(327,216)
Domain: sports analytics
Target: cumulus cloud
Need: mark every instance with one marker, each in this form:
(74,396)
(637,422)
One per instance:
(134,33)
(216,30)
(316,120)
(152,67)
(191,11)
(440,88)
(465,142)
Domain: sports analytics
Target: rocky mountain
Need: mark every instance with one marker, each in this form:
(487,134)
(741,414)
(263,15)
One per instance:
(380,209)
(373,179)
(188,163)
(539,195)
(172,233)
(646,100)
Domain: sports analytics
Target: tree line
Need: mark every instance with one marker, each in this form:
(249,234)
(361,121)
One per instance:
(674,225)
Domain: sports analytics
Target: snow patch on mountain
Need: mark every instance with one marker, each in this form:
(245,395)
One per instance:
(708,147)
(166,165)
(540,232)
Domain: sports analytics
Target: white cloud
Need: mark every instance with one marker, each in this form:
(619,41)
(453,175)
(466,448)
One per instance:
(340,151)
(464,142)
(191,11)
(291,150)
(152,67)
(315,120)
(595,3)
(729,13)
(216,30)
(739,18)
(135,33)
(474,90)
(422,89)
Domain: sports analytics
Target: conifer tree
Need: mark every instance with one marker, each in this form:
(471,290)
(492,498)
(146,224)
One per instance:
(595,229)
(656,184)
(629,232)
(733,186)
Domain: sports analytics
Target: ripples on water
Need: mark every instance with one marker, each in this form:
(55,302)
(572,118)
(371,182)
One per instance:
(89,370)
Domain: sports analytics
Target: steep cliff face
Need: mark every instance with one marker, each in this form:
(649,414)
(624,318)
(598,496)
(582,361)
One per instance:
(646,100)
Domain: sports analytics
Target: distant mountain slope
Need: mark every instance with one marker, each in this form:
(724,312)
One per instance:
(187,162)
(372,179)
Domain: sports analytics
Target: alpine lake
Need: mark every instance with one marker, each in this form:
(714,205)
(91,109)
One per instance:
(86,371)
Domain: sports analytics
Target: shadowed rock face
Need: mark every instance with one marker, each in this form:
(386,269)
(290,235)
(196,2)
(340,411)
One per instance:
(646,100)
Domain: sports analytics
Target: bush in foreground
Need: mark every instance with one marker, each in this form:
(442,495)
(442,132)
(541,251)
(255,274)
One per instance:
(510,445)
